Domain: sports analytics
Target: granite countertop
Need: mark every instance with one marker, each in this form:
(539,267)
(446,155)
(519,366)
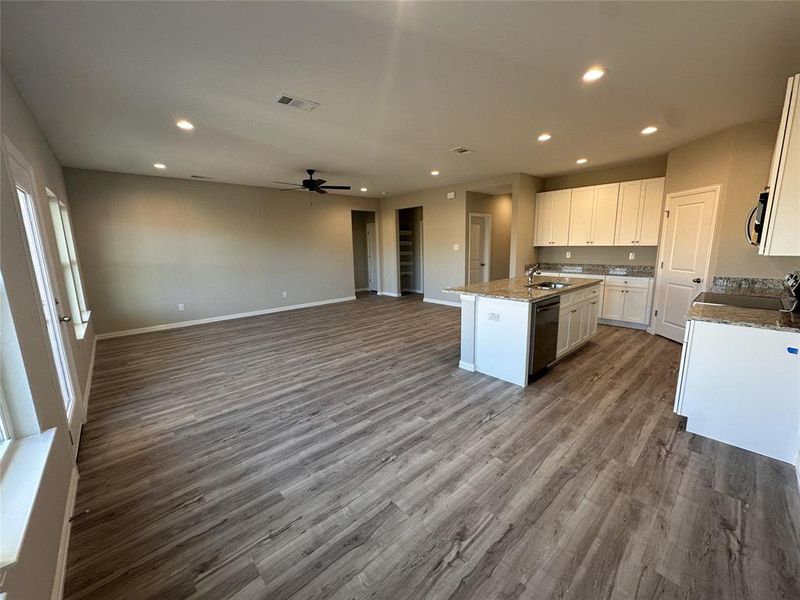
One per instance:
(598,269)
(515,289)
(746,317)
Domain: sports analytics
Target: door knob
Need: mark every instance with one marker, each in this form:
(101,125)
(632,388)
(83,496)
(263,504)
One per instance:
(696,280)
(65,319)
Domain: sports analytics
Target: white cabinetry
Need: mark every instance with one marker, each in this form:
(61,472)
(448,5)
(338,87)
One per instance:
(593,215)
(577,319)
(627,299)
(552,218)
(781,235)
(722,397)
(639,212)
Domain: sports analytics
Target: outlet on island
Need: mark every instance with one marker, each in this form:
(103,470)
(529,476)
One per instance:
(180,307)
(285,294)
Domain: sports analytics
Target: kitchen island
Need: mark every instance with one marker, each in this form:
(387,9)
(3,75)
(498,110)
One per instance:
(499,323)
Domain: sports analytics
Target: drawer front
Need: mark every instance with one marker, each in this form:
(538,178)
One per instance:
(631,282)
(570,299)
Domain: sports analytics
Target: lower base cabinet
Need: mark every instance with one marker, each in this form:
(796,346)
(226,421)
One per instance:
(577,319)
(627,299)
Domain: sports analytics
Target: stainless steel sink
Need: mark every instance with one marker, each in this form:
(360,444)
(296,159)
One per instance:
(548,285)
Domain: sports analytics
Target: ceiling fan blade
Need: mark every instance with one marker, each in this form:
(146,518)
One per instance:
(319,182)
(335,187)
(320,191)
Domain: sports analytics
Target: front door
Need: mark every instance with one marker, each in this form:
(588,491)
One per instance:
(479,244)
(689,219)
(54,312)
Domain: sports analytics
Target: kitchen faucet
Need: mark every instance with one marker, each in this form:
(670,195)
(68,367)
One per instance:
(531,271)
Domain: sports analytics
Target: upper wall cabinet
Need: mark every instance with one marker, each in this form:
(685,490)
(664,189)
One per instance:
(552,218)
(639,212)
(781,220)
(593,215)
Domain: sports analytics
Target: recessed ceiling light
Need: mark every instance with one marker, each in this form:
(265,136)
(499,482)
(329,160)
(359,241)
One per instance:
(582,161)
(594,74)
(184,124)
(363,189)
(544,137)
(434,173)
(649,129)
(159,165)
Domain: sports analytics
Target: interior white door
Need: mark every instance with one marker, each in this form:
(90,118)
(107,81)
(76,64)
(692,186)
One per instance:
(57,322)
(688,229)
(479,247)
(372,258)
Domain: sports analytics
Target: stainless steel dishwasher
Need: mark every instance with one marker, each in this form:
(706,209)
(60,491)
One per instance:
(544,334)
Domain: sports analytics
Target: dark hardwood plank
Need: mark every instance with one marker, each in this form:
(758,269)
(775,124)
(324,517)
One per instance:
(338,452)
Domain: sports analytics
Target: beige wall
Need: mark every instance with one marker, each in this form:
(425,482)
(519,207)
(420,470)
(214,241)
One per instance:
(500,207)
(523,211)
(739,159)
(642,169)
(32,576)
(600,255)
(150,243)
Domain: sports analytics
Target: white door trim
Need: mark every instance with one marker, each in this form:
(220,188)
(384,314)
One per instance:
(657,300)
(487,242)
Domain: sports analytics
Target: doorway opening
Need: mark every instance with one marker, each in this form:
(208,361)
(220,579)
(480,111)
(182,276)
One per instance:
(365,252)
(410,261)
(488,233)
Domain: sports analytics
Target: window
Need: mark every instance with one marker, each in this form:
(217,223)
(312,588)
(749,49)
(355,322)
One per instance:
(65,240)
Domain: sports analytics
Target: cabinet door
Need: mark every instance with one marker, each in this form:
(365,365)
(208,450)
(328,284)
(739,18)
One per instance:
(544,219)
(627,231)
(650,212)
(635,309)
(613,302)
(604,220)
(585,325)
(593,312)
(562,345)
(574,334)
(559,207)
(581,210)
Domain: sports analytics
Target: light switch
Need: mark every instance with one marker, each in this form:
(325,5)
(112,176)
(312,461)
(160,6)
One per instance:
(569,254)
(455,247)
(631,256)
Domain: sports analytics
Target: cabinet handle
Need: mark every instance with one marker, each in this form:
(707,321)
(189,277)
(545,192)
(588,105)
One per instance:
(594,302)
(576,310)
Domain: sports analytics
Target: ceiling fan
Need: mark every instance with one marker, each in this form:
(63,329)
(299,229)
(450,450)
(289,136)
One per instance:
(312,185)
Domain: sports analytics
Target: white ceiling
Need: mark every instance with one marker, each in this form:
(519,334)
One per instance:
(399,84)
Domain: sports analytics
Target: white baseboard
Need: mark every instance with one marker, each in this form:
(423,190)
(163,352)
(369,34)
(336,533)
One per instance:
(255,313)
(442,302)
(466,366)
(66,529)
(392,294)
(88,387)
(614,323)
(362,289)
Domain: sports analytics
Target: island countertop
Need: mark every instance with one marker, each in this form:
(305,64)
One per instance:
(516,288)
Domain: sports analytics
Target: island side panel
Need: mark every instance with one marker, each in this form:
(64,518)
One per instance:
(467,333)
(502,329)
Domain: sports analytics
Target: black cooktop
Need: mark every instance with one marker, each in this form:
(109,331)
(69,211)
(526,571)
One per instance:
(765,302)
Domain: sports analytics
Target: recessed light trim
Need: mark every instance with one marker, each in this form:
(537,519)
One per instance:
(543,137)
(649,130)
(582,161)
(434,172)
(159,165)
(185,125)
(594,73)
(364,189)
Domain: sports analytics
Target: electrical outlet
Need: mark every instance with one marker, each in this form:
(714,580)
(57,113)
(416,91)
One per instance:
(180,307)
(494,316)
(631,256)
(451,195)
(285,294)
(569,254)
(455,247)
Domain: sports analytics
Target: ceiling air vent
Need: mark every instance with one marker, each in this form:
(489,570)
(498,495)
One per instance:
(461,150)
(306,105)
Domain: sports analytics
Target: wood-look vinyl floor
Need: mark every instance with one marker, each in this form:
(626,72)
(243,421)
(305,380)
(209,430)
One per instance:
(338,452)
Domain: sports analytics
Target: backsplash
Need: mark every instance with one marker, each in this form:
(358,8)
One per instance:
(598,269)
(748,286)
(598,255)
